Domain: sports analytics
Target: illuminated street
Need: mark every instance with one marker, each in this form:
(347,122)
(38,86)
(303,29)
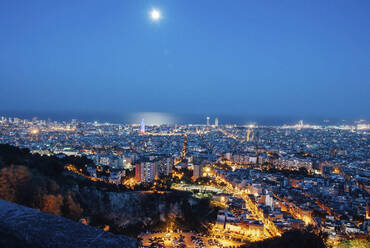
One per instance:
(168,240)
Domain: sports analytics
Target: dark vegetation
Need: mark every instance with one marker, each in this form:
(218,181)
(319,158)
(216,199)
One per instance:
(38,181)
(291,239)
(43,183)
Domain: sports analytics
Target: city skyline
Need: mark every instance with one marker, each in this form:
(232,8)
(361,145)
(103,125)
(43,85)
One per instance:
(161,118)
(226,185)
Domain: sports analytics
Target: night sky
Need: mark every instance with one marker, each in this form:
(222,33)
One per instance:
(271,58)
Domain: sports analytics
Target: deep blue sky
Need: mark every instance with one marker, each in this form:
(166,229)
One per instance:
(306,58)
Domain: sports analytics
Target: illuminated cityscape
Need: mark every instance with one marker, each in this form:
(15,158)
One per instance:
(263,180)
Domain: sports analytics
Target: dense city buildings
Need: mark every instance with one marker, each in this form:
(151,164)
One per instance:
(265,180)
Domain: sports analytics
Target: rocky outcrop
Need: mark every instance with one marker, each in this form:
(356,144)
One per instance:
(27,227)
(122,209)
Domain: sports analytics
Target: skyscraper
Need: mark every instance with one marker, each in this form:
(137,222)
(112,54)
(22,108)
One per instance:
(145,171)
(216,122)
(138,172)
(208,120)
(197,171)
(248,134)
(142,126)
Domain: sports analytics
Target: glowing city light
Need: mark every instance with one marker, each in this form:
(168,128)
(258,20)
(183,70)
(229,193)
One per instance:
(34,131)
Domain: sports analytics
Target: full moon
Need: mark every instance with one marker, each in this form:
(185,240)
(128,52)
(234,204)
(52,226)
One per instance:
(155,15)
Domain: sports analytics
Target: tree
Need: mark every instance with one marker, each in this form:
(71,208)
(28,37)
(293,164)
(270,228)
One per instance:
(2,164)
(52,204)
(291,239)
(72,208)
(355,243)
(12,182)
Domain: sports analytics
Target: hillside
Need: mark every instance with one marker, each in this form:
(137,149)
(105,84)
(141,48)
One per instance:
(26,227)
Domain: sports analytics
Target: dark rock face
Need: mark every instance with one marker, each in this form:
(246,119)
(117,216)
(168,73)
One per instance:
(26,227)
(121,209)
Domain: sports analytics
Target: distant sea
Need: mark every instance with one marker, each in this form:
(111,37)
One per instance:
(175,118)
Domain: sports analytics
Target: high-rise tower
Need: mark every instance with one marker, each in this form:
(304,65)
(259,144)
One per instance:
(142,126)
(248,134)
(216,122)
(208,120)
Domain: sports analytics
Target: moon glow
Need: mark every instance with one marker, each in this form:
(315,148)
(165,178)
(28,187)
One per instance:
(155,15)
